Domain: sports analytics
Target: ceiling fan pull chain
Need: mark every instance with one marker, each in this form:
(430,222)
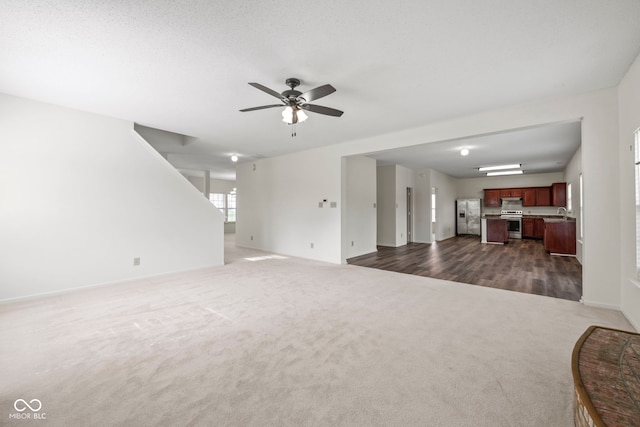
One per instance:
(293,130)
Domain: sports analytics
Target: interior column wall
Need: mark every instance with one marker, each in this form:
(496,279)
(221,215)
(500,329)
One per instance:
(386,202)
(422,206)
(360,205)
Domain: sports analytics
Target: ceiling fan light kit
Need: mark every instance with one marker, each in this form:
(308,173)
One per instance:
(295,102)
(293,115)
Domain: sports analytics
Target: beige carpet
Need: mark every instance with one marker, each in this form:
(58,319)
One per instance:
(291,342)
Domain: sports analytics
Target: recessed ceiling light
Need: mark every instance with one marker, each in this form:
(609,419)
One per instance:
(464,152)
(499,167)
(516,172)
(234,158)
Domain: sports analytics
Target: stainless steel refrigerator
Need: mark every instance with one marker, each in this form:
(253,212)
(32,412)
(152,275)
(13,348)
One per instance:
(468,216)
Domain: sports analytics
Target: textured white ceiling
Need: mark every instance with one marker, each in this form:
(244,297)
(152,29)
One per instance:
(183,66)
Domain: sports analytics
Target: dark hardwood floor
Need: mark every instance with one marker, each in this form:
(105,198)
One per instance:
(520,265)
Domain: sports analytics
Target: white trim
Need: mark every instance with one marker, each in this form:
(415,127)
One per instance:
(132,280)
(600,305)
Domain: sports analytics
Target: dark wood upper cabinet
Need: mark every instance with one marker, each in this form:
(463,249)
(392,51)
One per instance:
(559,194)
(543,196)
(556,195)
(492,198)
(529,197)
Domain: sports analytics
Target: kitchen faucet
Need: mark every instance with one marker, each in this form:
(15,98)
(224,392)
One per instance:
(562,208)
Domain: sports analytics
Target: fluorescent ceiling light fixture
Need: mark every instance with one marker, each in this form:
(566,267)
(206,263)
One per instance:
(500,167)
(464,152)
(234,158)
(516,172)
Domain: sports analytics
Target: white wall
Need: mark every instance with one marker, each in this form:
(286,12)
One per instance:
(386,201)
(281,209)
(82,195)
(422,206)
(629,121)
(215,186)
(360,201)
(446,188)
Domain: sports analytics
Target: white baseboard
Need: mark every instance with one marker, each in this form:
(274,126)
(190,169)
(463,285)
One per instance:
(600,305)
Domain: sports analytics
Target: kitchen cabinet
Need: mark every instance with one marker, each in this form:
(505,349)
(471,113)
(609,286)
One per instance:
(497,230)
(511,192)
(492,198)
(538,228)
(543,196)
(532,228)
(559,194)
(527,228)
(529,197)
(555,195)
(560,237)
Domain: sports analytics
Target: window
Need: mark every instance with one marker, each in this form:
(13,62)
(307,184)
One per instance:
(581,210)
(218,200)
(569,201)
(231,207)
(226,203)
(433,204)
(637,172)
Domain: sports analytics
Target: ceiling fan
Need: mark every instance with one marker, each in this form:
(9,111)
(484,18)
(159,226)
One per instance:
(295,101)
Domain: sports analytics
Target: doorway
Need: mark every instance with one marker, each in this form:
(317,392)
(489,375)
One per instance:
(409,216)
(433,214)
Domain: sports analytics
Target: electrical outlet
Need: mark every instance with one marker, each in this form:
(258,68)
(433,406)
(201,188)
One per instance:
(136,261)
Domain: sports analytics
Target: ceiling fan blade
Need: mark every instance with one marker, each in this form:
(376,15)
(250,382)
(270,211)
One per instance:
(267,90)
(321,110)
(317,93)
(262,107)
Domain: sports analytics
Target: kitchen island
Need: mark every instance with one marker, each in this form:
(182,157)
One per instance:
(494,230)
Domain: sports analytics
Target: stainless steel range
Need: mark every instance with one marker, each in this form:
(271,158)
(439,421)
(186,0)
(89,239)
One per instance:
(512,212)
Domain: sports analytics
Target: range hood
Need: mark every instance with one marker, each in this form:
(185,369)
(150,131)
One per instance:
(511,203)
